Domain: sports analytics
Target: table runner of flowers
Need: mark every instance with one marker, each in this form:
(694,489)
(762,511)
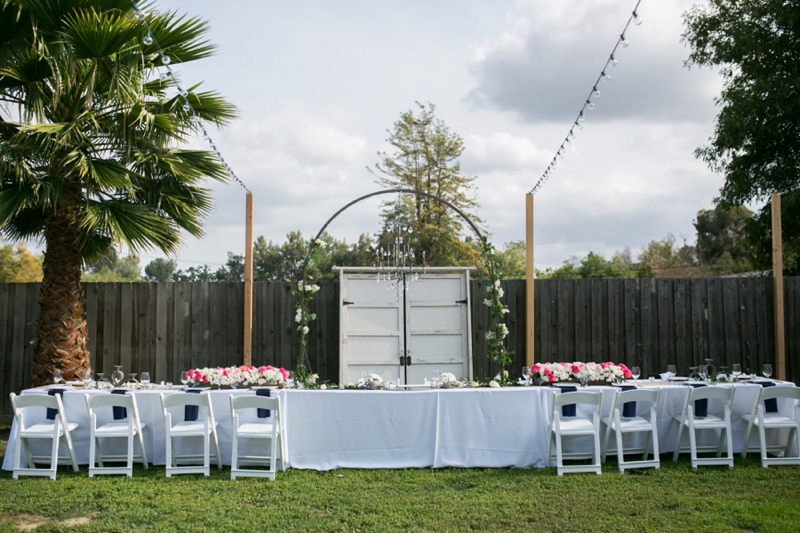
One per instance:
(552,372)
(241,376)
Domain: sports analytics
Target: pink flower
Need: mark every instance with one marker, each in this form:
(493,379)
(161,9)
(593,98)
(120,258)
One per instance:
(284,373)
(547,372)
(205,380)
(627,373)
(552,378)
(262,369)
(535,369)
(225,373)
(575,369)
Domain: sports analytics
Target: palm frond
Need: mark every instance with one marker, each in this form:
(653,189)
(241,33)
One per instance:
(136,225)
(180,37)
(95,35)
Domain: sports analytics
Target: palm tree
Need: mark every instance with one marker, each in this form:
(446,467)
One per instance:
(90,155)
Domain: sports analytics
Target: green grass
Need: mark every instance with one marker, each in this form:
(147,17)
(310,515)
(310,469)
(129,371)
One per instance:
(675,498)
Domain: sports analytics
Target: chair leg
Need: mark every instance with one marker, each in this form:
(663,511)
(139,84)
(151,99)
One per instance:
(597,446)
(71,450)
(746,446)
(206,455)
(620,452)
(234,455)
(729,440)
(141,447)
(129,466)
(170,459)
(647,442)
(92,451)
(28,454)
(605,441)
(99,453)
(54,457)
(18,454)
(559,456)
(721,443)
(762,435)
(678,443)
(550,446)
(693,444)
(787,452)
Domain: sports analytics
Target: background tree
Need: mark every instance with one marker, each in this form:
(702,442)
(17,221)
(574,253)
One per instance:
(18,265)
(160,269)
(89,153)
(721,238)
(426,158)
(510,261)
(111,267)
(755,45)
(594,265)
(667,259)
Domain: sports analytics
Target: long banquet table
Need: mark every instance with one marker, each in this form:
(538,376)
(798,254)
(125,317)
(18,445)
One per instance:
(406,429)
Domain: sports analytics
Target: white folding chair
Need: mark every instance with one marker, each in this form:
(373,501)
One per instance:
(764,421)
(688,420)
(205,428)
(575,427)
(269,429)
(620,425)
(128,429)
(54,429)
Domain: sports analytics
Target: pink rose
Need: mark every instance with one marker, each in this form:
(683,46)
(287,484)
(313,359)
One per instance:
(552,378)
(262,369)
(225,373)
(547,372)
(205,380)
(627,373)
(284,373)
(535,369)
(575,369)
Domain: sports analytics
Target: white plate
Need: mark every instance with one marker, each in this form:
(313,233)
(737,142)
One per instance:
(680,378)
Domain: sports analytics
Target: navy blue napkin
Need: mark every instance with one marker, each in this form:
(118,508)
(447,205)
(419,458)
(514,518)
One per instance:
(263,413)
(628,408)
(120,413)
(570,409)
(700,406)
(771,405)
(51,413)
(191,412)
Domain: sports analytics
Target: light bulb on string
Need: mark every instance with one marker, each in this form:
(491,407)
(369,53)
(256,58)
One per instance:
(187,107)
(165,59)
(613,61)
(595,92)
(581,117)
(163,76)
(148,39)
(606,77)
(637,19)
(579,125)
(138,13)
(589,104)
(184,92)
(624,40)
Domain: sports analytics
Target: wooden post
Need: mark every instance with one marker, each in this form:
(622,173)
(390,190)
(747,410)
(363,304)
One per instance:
(248,282)
(777,280)
(529,277)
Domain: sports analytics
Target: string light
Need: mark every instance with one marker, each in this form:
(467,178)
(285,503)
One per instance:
(150,40)
(589,104)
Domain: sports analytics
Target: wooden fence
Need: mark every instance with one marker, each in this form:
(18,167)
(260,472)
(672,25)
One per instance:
(164,328)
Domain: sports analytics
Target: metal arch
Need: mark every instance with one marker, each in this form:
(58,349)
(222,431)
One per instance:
(407,191)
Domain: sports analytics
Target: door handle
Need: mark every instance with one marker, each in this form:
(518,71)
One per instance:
(347,303)
(461,301)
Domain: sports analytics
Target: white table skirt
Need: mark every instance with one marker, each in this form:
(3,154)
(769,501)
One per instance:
(407,429)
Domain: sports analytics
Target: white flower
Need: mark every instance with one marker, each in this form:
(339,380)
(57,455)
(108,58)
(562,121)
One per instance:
(474,384)
(305,330)
(375,378)
(493,384)
(490,335)
(447,377)
(504,310)
(322,244)
(323,387)
(500,293)
(487,302)
(497,284)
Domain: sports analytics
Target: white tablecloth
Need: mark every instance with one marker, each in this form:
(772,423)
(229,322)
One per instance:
(407,429)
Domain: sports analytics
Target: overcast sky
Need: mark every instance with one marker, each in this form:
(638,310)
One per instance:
(318,84)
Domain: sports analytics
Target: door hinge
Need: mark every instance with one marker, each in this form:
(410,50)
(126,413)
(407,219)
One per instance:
(347,303)
(461,301)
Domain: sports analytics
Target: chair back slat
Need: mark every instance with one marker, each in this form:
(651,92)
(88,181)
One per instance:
(182,399)
(253,402)
(768,393)
(95,401)
(709,392)
(639,395)
(34,400)
(568,398)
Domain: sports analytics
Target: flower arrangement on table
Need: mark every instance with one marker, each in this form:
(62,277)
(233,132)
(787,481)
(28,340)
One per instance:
(547,373)
(238,376)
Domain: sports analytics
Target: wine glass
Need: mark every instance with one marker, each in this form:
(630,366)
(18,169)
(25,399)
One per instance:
(87,377)
(435,379)
(636,372)
(526,373)
(56,376)
(703,372)
(185,377)
(671,372)
(736,370)
(145,379)
(766,370)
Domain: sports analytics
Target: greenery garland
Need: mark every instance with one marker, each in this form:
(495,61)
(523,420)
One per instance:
(304,292)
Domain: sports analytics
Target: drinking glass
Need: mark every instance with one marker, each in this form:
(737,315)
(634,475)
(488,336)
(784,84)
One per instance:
(185,377)
(87,377)
(145,379)
(636,373)
(435,379)
(526,373)
(703,372)
(671,373)
(736,370)
(56,376)
(766,370)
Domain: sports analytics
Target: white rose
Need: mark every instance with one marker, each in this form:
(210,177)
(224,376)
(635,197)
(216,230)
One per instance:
(497,284)
(493,384)
(305,330)
(323,387)
(500,293)
(474,384)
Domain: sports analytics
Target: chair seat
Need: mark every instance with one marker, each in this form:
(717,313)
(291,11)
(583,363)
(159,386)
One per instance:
(709,422)
(636,423)
(189,428)
(45,429)
(251,429)
(115,429)
(773,420)
(576,426)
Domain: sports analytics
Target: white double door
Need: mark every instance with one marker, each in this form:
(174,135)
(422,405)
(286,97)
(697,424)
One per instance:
(408,332)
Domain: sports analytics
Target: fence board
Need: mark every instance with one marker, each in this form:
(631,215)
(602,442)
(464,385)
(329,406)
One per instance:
(167,327)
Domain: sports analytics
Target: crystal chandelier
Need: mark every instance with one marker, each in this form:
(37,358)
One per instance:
(397,261)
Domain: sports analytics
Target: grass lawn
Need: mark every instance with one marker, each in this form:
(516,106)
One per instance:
(675,498)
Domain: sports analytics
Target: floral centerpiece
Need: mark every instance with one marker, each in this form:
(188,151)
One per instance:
(547,373)
(449,380)
(238,376)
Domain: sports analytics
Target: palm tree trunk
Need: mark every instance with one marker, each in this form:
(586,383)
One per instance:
(61,327)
